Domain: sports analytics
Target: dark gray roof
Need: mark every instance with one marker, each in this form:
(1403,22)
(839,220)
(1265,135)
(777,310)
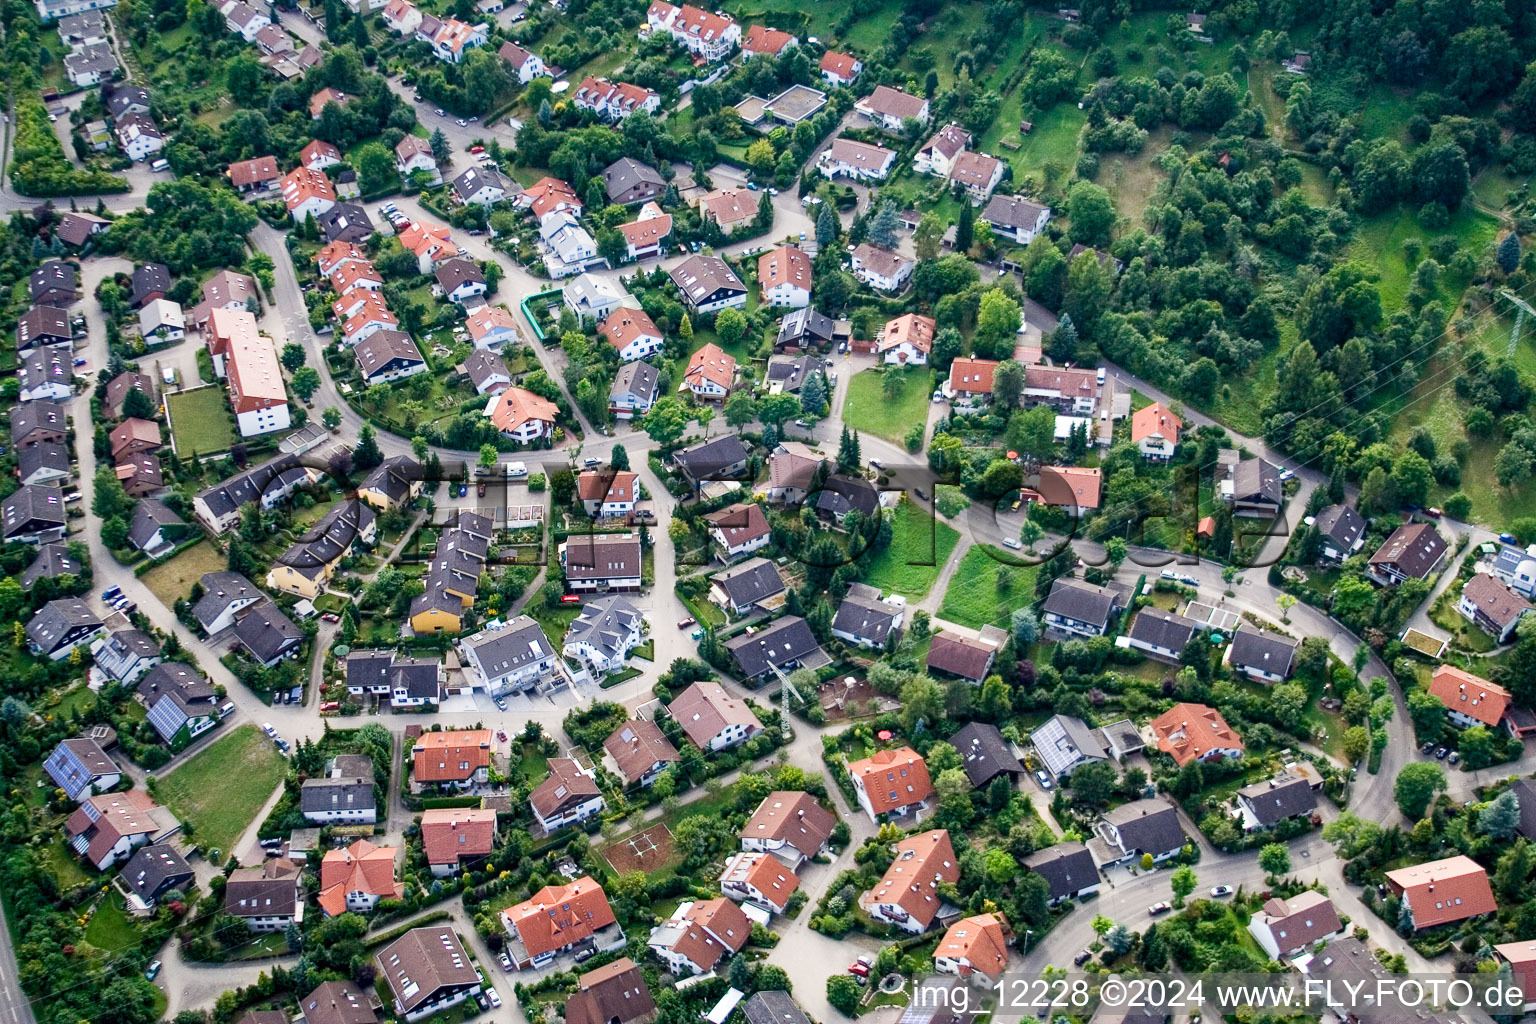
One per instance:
(345,222)
(1525,795)
(754,580)
(864,615)
(53,275)
(1062,740)
(476,178)
(123,97)
(1284,796)
(96,58)
(790,373)
(42,325)
(42,414)
(32,508)
(636,378)
(227,497)
(521,640)
(50,455)
(150,516)
(457,271)
(773,1006)
(268,891)
(1147,826)
(626,173)
(394,477)
(1012,211)
(703,279)
(381,349)
(368,668)
(1340,524)
(802,325)
(417,676)
(604,622)
(785,643)
(483,364)
(1084,602)
(599,556)
(1066,868)
(842,494)
(222,590)
(713,458)
(984,753)
(267,632)
(52,561)
(180,682)
(1264,650)
(1167,630)
(1256,480)
(153,869)
(346,793)
(58,621)
(149,278)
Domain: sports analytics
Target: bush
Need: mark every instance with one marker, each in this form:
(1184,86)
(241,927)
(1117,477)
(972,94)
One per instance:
(39,166)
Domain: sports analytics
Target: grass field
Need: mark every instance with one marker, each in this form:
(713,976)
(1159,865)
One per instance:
(220,789)
(172,579)
(110,928)
(973,598)
(65,866)
(201,423)
(1379,245)
(920,547)
(868,410)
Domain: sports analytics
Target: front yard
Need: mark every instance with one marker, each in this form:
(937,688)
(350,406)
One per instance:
(867,408)
(201,423)
(173,579)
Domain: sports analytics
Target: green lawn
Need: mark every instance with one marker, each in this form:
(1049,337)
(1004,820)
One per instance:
(919,549)
(973,598)
(65,866)
(221,789)
(110,928)
(869,411)
(174,578)
(201,423)
(1379,245)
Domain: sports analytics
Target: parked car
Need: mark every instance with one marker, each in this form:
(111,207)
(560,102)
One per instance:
(1453,758)
(920,493)
(1217,892)
(861,967)
(1425,748)
(495,999)
(1012,542)
(570,599)
(111,593)
(152,970)
(584,955)
(1044,778)
(1159,909)
(1433,512)
(266,727)
(463,490)
(1082,958)
(685,623)
(480,489)
(477,150)
(1441,752)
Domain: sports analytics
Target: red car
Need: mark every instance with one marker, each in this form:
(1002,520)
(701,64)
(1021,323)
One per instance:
(330,617)
(571,599)
(690,620)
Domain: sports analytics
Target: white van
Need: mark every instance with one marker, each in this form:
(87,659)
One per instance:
(517,470)
(160,165)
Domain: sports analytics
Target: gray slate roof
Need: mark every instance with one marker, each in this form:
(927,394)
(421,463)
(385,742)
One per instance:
(864,615)
(222,590)
(604,622)
(786,642)
(1148,826)
(1066,868)
(754,580)
(267,632)
(1264,650)
(1167,630)
(984,753)
(57,620)
(1084,602)
(1284,796)
(1341,525)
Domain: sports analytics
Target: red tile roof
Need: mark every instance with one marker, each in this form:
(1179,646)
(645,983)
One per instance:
(980,941)
(558,916)
(912,881)
(972,376)
(1442,891)
(451,755)
(451,834)
(361,867)
(1155,420)
(1471,695)
(1186,732)
(893,778)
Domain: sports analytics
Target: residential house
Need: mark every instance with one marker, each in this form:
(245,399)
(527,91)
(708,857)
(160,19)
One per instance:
(615,993)
(1195,732)
(79,767)
(1141,827)
(549,195)
(76,229)
(150,281)
(401,17)
(52,561)
(937,155)
(975,948)
(1491,606)
(762,41)
(450,837)
(256,175)
(710,373)
(268,635)
(517,657)
(607,493)
(1068,870)
(1411,552)
(335,1002)
(1262,655)
(646,236)
(632,334)
(268,484)
(787,374)
(161,321)
(840,68)
(1341,531)
(1015,218)
(784,277)
(119,386)
(1066,390)
(560,919)
(344,794)
(522,415)
(356,878)
(427,970)
(964,657)
(738,529)
(865,619)
(124,99)
(54,283)
(1266,803)
(84,29)
(1443,891)
(60,626)
(712,719)
(890,108)
(480,186)
(699,935)
(601,562)
(125,655)
(977,173)
(45,374)
(256,391)
(1081,608)
(969,388)
(1160,635)
(1471,700)
(614,101)
(804,329)
(133,436)
(708,36)
(906,340)
(156,529)
(568,246)
(1155,432)
(90,65)
(568,796)
(269,898)
(602,636)
(708,284)
(451,758)
(245,21)
(858,161)
(907,897)
(730,209)
(790,825)
(225,595)
(346,222)
(754,584)
(460,280)
(634,390)
(413,153)
(985,754)
(758,878)
(1252,488)
(491,327)
(152,872)
(396,481)
(43,327)
(108,827)
(182,704)
(781,646)
(454,38)
(640,751)
(33,514)
(1064,743)
(487,372)
(317,155)
(307,193)
(893,783)
(387,356)
(46,463)
(1289,927)
(791,472)
(593,297)
(525,64)
(718,458)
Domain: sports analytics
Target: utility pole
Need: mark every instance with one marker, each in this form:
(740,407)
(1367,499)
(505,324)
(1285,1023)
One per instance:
(1521,308)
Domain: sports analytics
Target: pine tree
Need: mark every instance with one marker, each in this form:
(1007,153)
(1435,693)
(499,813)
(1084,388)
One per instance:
(1509,253)
(813,394)
(882,229)
(848,456)
(359,33)
(826,225)
(965,231)
(620,458)
(685,329)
